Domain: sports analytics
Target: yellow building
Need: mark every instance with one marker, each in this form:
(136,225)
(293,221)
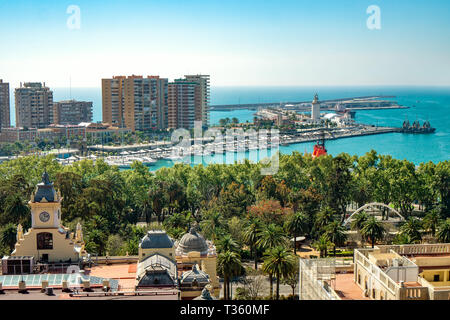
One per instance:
(157,268)
(47,240)
(189,265)
(194,253)
(404,272)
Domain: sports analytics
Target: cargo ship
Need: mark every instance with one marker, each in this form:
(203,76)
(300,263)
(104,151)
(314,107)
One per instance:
(416,127)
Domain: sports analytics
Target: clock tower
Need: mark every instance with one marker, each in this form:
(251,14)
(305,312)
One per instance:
(45,205)
(47,240)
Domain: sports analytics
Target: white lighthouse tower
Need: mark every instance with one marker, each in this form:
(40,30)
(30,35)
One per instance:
(315,109)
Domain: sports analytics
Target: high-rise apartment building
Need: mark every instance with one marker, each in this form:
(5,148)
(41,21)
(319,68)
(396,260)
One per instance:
(5,121)
(184,100)
(202,109)
(34,105)
(135,102)
(72,112)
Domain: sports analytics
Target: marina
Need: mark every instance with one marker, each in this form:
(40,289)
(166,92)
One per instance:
(124,156)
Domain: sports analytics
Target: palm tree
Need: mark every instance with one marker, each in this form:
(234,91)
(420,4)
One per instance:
(443,233)
(411,228)
(16,208)
(272,236)
(322,245)
(296,224)
(358,220)
(228,265)
(251,237)
(279,262)
(212,225)
(335,233)
(227,243)
(373,230)
(8,236)
(431,221)
(324,218)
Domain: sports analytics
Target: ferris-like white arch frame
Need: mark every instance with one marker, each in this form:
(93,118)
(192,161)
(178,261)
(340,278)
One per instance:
(372,204)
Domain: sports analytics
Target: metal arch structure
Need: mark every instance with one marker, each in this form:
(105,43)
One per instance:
(373,204)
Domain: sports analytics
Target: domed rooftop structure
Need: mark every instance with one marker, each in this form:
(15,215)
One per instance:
(156,239)
(192,241)
(195,277)
(45,190)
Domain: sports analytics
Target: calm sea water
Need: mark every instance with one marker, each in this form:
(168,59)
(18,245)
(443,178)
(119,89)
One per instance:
(426,103)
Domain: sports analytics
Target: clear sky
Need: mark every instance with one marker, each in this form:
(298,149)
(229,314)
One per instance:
(237,42)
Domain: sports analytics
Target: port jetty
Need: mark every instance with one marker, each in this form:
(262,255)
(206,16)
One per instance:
(355,103)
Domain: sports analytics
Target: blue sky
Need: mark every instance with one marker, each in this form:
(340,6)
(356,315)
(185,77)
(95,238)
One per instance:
(246,42)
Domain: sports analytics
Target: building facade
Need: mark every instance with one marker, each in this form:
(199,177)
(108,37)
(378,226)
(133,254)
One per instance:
(5,121)
(34,105)
(101,132)
(47,240)
(135,102)
(202,109)
(188,265)
(72,112)
(18,134)
(184,103)
(404,272)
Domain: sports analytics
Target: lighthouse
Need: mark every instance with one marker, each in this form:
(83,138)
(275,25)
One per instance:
(315,109)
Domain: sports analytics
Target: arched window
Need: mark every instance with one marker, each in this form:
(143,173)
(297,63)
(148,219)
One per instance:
(44,241)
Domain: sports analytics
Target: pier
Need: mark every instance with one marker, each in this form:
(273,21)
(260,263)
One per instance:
(289,105)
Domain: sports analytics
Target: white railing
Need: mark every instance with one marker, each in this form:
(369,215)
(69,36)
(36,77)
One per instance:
(376,273)
(417,249)
(310,287)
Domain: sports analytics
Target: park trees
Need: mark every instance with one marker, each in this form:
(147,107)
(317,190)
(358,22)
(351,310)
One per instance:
(296,224)
(278,262)
(322,245)
(372,230)
(336,234)
(404,184)
(431,221)
(229,264)
(339,180)
(441,184)
(411,228)
(251,236)
(8,238)
(443,233)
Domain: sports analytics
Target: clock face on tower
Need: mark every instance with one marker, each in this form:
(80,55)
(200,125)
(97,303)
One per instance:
(44,216)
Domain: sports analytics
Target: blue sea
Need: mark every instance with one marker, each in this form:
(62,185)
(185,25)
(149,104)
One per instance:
(426,103)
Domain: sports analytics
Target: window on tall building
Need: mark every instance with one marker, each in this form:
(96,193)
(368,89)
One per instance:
(44,241)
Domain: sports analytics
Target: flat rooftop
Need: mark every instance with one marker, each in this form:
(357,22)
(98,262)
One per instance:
(124,273)
(60,295)
(346,288)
